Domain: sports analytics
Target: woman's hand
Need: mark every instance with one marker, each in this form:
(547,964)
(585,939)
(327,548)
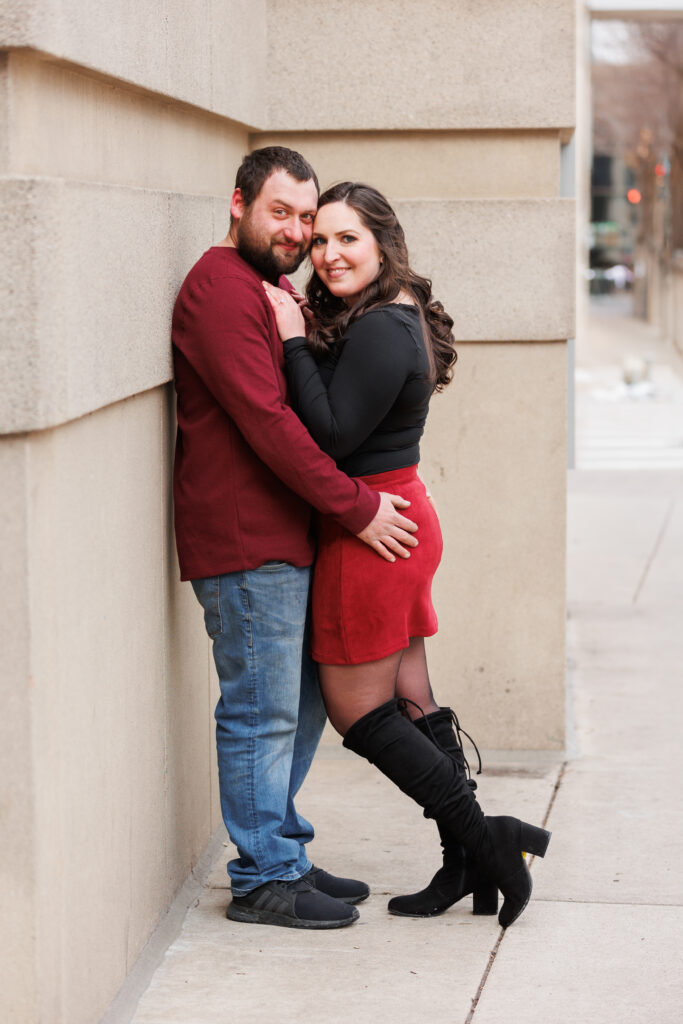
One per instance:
(288,316)
(302,303)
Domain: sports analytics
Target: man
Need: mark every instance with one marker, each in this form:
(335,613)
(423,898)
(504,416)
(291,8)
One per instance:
(246,475)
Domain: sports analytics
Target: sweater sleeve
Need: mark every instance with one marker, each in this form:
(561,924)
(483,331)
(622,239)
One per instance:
(229,347)
(376,360)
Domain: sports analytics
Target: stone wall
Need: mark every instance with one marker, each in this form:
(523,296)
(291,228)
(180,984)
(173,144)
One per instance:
(123,124)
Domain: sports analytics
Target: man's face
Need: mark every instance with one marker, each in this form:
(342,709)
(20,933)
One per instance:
(274,233)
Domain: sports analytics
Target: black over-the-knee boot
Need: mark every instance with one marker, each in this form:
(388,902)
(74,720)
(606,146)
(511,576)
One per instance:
(460,875)
(428,776)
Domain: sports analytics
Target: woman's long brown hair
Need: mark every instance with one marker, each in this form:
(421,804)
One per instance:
(333,316)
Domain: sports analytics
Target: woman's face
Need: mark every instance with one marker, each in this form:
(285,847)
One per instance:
(344,252)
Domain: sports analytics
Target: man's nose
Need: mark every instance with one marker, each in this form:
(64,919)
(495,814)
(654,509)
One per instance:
(294,231)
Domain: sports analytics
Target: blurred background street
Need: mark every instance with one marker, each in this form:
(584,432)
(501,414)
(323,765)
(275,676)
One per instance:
(629,345)
(629,391)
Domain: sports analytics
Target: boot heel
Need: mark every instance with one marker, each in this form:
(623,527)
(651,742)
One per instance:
(485,897)
(534,840)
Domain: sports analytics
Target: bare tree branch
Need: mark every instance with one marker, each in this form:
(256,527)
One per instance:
(638,115)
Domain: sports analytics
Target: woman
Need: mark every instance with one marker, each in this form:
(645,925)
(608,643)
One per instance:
(377,347)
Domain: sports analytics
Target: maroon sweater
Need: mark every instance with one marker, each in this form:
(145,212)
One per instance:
(246,469)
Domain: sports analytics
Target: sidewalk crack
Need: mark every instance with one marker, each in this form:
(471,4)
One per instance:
(655,549)
(553,795)
(492,956)
(494,952)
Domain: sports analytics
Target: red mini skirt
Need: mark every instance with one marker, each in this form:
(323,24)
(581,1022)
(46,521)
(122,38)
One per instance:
(365,608)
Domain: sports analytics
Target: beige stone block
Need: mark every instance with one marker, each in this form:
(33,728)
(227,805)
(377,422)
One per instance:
(22,267)
(95,672)
(416,64)
(5,119)
(210,53)
(494,455)
(81,333)
(17,819)
(504,270)
(88,277)
(432,165)
(68,123)
(214,690)
(190,745)
(122,747)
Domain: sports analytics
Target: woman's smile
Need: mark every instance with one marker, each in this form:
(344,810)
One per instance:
(344,252)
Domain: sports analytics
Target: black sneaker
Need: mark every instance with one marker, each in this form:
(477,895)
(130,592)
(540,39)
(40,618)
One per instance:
(348,890)
(292,905)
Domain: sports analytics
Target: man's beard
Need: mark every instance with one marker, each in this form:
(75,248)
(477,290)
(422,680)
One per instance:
(262,256)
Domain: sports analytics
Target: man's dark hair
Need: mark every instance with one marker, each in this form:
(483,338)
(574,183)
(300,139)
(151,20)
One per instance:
(258,166)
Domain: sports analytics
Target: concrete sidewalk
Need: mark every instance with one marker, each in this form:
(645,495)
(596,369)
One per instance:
(619,425)
(601,940)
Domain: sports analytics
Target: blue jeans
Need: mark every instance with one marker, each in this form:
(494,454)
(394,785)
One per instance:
(269,718)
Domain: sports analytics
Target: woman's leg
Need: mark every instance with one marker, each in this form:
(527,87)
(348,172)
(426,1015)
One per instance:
(429,776)
(351,691)
(361,705)
(412,684)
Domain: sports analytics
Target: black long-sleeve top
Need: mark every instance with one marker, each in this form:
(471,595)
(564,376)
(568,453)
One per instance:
(365,402)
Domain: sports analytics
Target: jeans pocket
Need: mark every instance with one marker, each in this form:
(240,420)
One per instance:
(208,593)
(274,566)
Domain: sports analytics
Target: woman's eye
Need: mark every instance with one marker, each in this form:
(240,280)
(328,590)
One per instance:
(318,241)
(348,238)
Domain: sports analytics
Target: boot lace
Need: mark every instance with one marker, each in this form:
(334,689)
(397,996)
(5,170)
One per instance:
(403,703)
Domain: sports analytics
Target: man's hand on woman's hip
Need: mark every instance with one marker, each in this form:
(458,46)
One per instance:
(389,531)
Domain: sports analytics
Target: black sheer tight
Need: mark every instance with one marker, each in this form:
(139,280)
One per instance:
(351,691)
(413,683)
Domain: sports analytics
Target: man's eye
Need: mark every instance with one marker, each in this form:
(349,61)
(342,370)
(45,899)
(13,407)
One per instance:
(308,217)
(279,213)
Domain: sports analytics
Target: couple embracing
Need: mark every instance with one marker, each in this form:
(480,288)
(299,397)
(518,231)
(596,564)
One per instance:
(299,422)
